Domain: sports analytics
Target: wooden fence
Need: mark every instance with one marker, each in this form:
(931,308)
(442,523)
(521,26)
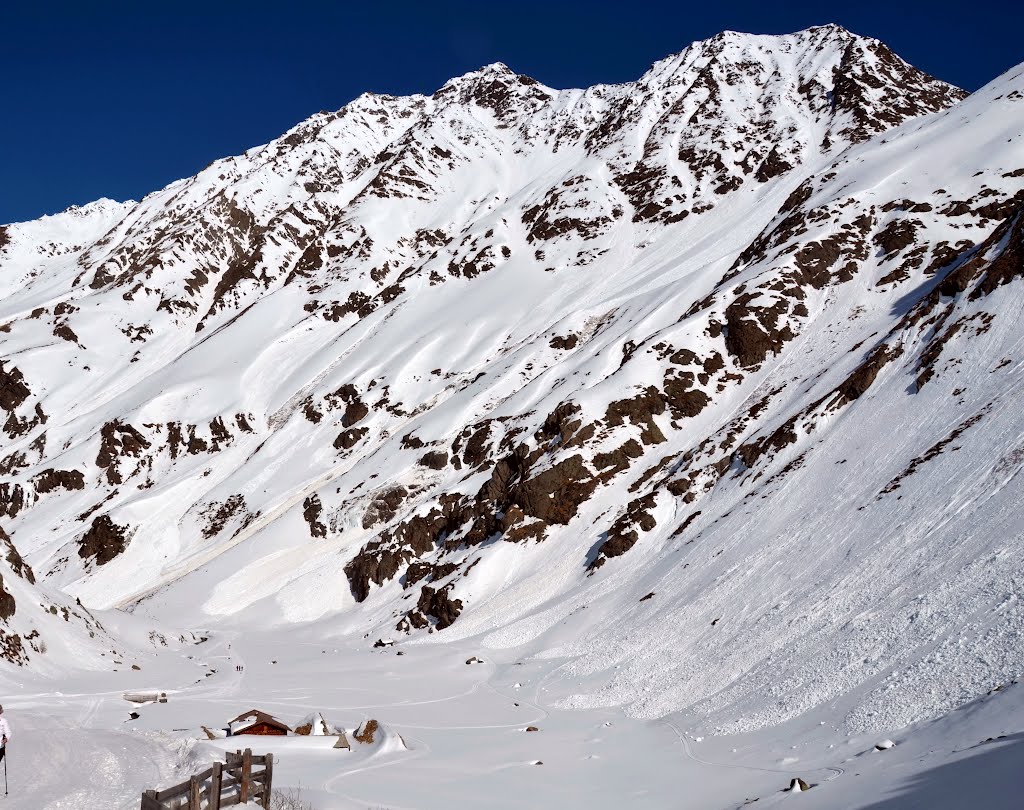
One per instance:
(223,785)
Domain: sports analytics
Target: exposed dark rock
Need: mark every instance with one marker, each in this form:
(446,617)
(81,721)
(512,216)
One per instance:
(418,571)
(682,527)
(1008,264)
(49,480)
(65,332)
(218,515)
(482,261)
(13,499)
(685,403)
(896,236)
(772,166)
(7,606)
(518,527)
(885,92)
(625,531)
(410,442)
(12,649)
(14,559)
(311,510)
(475,454)
(348,439)
(118,440)
(854,386)
(384,506)
(435,460)
(564,343)
(750,452)
(561,423)
(374,563)
(16,426)
(618,460)
(310,412)
(640,410)
(104,540)
(752,333)
(511,500)
(13,390)
(436,605)
(555,494)
(355,409)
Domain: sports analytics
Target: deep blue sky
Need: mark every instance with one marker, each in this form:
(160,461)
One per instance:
(118,99)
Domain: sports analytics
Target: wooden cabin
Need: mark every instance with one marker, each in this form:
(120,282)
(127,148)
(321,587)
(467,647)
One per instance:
(259,723)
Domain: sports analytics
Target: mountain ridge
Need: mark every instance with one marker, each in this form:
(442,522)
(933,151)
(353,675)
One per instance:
(478,362)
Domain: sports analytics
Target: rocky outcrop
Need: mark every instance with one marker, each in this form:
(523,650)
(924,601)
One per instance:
(625,531)
(118,441)
(7,606)
(13,389)
(14,559)
(311,510)
(434,460)
(232,511)
(49,480)
(435,608)
(104,540)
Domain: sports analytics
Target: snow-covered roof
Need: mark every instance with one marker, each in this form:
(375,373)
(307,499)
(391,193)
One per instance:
(252,717)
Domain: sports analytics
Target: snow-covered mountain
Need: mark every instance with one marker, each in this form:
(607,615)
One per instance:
(707,382)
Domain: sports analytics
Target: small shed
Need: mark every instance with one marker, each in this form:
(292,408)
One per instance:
(257,722)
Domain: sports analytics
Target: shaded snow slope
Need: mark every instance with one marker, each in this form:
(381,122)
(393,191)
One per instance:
(705,382)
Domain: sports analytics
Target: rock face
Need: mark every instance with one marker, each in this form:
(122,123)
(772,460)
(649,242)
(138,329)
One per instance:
(104,540)
(485,359)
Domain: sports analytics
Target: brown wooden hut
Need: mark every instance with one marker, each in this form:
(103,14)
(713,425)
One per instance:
(257,722)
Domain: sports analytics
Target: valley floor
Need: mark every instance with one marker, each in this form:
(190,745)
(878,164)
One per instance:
(453,735)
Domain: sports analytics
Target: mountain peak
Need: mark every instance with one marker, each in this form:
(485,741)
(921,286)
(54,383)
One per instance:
(495,86)
(495,71)
(815,39)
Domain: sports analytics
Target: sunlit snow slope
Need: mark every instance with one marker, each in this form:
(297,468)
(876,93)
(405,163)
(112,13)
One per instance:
(708,382)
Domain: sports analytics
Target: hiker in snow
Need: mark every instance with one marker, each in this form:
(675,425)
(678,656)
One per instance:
(5,733)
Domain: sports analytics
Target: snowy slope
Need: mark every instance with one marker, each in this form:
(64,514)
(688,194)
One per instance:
(500,362)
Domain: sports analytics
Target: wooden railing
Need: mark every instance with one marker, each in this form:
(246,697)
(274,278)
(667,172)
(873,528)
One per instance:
(223,785)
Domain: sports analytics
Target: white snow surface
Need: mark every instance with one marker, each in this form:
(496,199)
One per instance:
(719,310)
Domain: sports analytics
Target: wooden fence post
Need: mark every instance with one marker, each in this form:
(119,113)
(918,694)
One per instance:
(195,793)
(215,782)
(246,774)
(255,788)
(268,777)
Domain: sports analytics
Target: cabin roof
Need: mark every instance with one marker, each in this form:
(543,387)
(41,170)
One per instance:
(254,716)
